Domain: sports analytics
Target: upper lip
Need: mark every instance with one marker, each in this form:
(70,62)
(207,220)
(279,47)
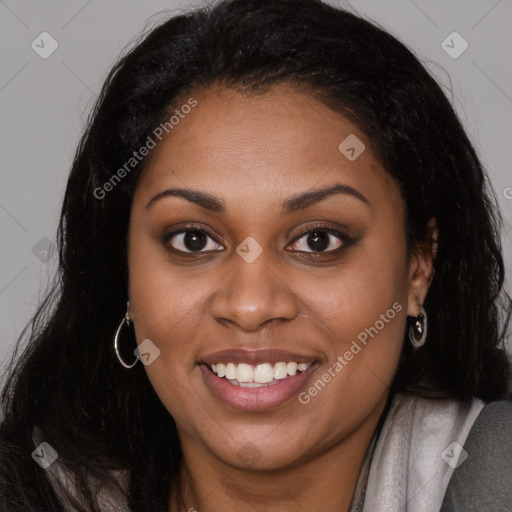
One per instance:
(255,356)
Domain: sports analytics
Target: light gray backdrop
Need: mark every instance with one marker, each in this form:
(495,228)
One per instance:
(46,93)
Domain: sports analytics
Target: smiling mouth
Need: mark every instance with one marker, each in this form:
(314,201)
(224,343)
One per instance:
(260,375)
(257,387)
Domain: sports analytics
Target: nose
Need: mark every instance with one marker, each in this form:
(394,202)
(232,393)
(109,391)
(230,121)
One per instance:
(252,296)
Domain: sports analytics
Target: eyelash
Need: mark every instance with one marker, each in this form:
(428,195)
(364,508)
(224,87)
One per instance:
(343,237)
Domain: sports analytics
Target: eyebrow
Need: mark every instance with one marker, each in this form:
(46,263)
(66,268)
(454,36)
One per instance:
(298,202)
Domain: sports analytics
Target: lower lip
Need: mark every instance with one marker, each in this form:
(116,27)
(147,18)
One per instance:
(256,399)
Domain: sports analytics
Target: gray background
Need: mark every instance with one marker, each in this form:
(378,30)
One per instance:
(44,104)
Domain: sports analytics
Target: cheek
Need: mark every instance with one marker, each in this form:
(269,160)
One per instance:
(164,307)
(162,293)
(362,287)
(362,307)
(164,302)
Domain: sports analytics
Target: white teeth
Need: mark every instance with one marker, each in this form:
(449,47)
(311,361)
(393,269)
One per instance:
(245,373)
(254,376)
(230,371)
(251,384)
(263,373)
(280,371)
(291,368)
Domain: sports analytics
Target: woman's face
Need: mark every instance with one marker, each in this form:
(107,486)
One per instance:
(279,276)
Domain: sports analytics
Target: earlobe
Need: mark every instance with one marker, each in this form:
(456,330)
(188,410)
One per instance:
(416,298)
(129,315)
(422,269)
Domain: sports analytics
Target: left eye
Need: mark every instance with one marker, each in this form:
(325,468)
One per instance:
(319,240)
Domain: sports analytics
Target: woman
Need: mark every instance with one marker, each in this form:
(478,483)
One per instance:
(280,285)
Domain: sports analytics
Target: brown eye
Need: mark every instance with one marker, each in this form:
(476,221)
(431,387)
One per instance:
(320,239)
(192,240)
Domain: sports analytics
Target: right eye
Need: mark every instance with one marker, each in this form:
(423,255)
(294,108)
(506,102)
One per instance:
(191,240)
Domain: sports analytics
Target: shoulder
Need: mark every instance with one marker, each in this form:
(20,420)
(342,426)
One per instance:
(483,480)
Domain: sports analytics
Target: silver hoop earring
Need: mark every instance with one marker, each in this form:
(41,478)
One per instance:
(124,320)
(418,329)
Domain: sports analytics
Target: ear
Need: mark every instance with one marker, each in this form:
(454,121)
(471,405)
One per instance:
(421,269)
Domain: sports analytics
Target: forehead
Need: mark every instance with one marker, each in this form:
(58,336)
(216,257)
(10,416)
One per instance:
(256,145)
